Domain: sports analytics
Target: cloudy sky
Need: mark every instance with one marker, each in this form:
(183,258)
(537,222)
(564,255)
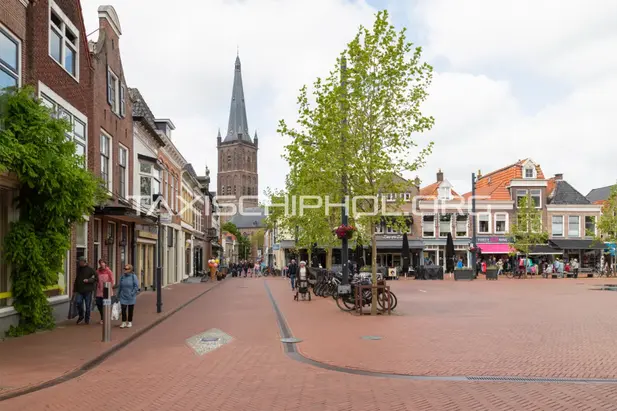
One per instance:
(513,78)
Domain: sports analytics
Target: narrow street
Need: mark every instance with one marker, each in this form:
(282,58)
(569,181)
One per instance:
(160,371)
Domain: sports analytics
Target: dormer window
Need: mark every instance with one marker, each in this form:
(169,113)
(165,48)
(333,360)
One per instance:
(529,171)
(445,193)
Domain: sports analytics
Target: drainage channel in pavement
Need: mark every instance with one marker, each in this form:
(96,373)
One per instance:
(292,352)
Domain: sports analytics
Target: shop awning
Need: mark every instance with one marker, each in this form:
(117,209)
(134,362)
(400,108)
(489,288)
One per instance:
(398,244)
(494,248)
(544,250)
(577,244)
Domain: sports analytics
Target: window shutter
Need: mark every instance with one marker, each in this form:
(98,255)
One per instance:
(122,103)
(108,86)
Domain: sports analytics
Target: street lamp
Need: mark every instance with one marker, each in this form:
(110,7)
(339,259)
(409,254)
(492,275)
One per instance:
(159,255)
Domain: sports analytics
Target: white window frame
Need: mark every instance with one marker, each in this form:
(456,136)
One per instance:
(124,173)
(85,244)
(116,93)
(578,233)
(539,195)
(3,65)
(519,193)
(57,105)
(390,197)
(379,229)
(434,229)
(66,24)
(407,196)
(595,225)
(109,157)
(155,177)
(444,193)
(497,215)
(96,240)
(480,215)
(533,171)
(391,230)
(553,233)
(456,231)
(445,233)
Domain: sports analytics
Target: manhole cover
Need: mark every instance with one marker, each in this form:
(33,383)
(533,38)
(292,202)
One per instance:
(371,337)
(208,341)
(291,340)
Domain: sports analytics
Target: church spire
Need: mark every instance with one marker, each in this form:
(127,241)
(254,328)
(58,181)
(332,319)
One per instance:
(238,128)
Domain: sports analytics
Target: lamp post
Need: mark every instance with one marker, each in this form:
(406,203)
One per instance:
(474,239)
(159,256)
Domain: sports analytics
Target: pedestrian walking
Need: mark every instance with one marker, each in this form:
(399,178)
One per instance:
(128,288)
(293,271)
(105,275)
(575,268)
(83,287)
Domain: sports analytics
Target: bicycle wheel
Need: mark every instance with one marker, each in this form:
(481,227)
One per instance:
(344,303)
(382,301)
(510,274)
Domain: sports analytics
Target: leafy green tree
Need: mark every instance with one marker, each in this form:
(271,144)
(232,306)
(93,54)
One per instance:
(607,224)
(526,231)
(244,242)
(358,135)
(55,191)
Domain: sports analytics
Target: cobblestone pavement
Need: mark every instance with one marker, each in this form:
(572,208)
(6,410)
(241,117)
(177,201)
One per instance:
(536,327)
(159,371)
(40,357)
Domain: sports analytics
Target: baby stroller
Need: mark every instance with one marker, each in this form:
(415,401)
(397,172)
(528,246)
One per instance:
(303,284)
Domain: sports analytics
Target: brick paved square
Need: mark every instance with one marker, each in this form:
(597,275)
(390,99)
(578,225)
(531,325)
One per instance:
(510,327)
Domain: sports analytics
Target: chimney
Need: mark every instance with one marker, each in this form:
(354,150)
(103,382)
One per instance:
(416,182)
(479,176)
(440,175)
(559,176)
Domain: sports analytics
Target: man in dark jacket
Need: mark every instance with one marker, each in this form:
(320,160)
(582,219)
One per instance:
(293,272)
(83,287)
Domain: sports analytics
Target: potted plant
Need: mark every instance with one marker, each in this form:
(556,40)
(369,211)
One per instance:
(465,273)
(345,231)
(491,272)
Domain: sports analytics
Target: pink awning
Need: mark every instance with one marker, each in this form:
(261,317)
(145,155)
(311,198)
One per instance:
(494,248)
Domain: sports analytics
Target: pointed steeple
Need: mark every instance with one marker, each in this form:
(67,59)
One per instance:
(219,134)
(238,128)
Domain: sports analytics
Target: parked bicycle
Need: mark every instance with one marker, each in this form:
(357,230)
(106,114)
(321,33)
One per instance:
(347,302)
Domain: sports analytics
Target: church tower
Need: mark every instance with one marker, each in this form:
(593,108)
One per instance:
(237,152)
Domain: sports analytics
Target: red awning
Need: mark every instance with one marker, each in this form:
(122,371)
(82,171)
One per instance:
(494,248)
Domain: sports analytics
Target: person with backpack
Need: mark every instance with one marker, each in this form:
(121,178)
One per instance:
(128,288)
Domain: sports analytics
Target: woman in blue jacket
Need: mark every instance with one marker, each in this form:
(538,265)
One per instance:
(128,287)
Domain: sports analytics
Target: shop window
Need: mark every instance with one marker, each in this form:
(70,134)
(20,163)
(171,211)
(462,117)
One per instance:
(428,226)
(590,226)
(445,225)
(557,226)
(484,223)
(574,226)
(461,225)
(501,223)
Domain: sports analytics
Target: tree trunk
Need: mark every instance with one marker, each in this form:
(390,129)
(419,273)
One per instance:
(329,258)
(374,270)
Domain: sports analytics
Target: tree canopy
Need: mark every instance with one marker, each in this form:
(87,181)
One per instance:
(526,230)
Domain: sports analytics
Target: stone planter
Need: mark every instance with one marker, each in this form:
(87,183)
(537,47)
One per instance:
(491,274)
(463,274)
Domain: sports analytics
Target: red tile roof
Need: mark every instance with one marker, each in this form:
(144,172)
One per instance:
(494,185)
(432,190)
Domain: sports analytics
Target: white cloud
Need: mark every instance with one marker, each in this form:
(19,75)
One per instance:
(482,123)
(181,57)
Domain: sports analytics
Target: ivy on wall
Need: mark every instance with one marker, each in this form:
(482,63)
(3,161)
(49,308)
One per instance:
(55,191)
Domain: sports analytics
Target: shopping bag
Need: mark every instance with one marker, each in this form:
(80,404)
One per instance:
(73,312)
(115,311)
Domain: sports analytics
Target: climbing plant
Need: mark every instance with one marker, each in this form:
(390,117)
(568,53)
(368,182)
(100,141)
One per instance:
(55,191)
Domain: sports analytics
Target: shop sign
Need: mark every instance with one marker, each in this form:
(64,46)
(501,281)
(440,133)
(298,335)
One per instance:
(492,240)
(147,234)
(389,237)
